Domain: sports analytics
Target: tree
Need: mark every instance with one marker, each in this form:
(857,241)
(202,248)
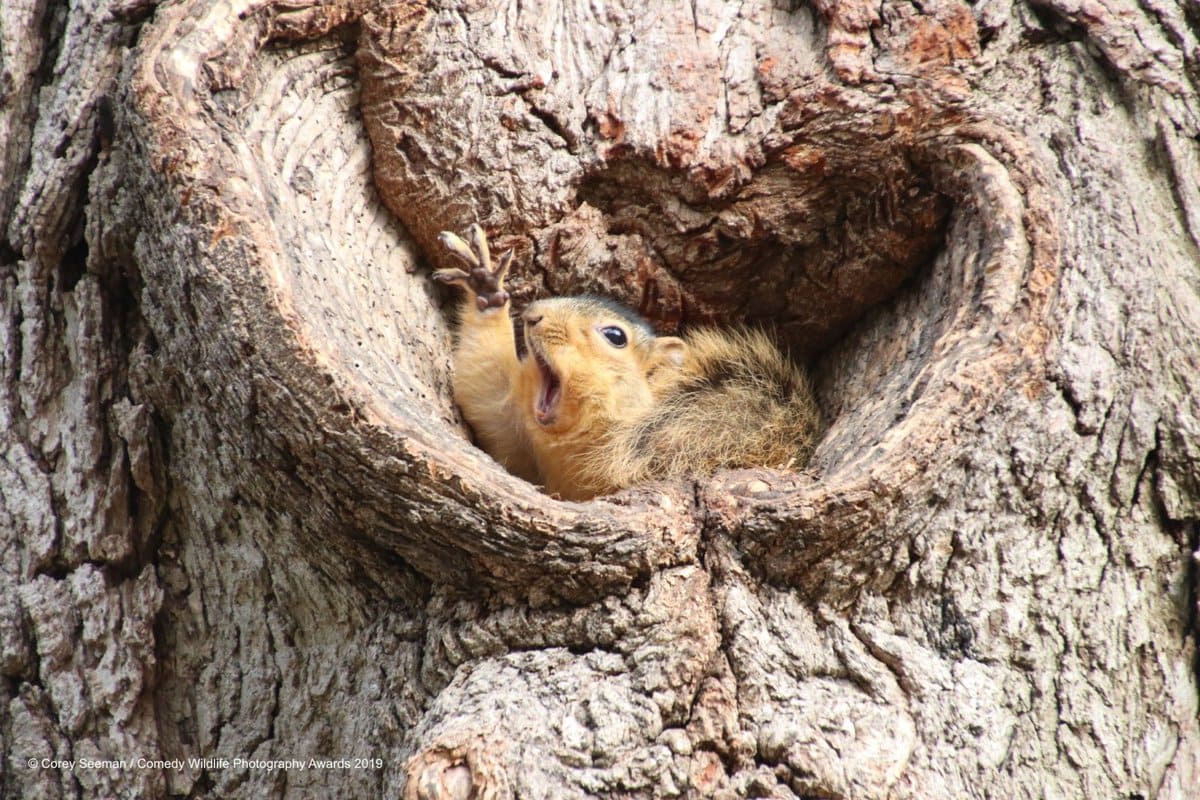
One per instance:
(241,519)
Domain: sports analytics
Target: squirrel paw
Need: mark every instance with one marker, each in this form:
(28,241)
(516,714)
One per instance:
(485,283)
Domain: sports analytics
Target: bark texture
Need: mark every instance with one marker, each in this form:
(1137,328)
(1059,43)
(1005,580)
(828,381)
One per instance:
(240,518)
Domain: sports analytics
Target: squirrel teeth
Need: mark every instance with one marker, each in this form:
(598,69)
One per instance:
(546,407)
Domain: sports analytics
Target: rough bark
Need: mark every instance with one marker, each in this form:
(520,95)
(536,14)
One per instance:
(240,518)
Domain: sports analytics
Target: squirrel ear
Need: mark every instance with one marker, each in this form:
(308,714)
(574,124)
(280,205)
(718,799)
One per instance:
(669,350)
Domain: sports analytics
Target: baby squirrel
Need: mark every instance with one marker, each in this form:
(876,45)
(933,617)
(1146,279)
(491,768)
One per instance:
(599,402)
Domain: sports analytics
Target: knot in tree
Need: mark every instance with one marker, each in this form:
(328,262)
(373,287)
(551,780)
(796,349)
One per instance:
(251,525)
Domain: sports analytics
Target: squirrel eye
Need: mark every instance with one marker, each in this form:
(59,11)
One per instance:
(616,337)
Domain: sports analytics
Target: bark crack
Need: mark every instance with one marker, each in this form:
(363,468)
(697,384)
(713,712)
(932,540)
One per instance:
(1192,571)
(1149,462)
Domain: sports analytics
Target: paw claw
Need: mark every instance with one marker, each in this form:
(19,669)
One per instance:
(484,282)
(502,269)
(451,276)
(479,244)
(459,249)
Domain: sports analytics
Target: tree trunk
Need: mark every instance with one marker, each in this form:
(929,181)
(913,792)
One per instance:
(241,521)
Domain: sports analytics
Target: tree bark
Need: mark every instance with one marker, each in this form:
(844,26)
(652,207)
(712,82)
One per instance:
(241,520)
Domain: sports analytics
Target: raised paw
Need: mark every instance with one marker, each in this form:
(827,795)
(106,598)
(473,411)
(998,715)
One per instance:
(483,282)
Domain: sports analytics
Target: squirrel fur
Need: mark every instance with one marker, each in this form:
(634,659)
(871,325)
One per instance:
(599,402)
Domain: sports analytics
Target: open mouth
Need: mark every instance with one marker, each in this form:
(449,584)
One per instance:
(546,406)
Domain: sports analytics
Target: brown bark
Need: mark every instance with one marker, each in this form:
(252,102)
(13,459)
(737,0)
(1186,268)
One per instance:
(240,519)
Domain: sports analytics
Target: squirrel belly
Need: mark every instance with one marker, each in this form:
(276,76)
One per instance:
(599,403)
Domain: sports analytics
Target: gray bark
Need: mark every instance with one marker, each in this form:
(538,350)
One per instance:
(241,519)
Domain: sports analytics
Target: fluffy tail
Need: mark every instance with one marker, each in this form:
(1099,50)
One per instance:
(741,404)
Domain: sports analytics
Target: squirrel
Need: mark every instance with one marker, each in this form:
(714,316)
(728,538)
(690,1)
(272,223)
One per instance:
(598,402)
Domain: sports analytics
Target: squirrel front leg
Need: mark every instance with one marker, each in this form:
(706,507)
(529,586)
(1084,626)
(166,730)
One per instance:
(486,369)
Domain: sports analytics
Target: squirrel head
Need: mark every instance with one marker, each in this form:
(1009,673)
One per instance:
(590,363)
